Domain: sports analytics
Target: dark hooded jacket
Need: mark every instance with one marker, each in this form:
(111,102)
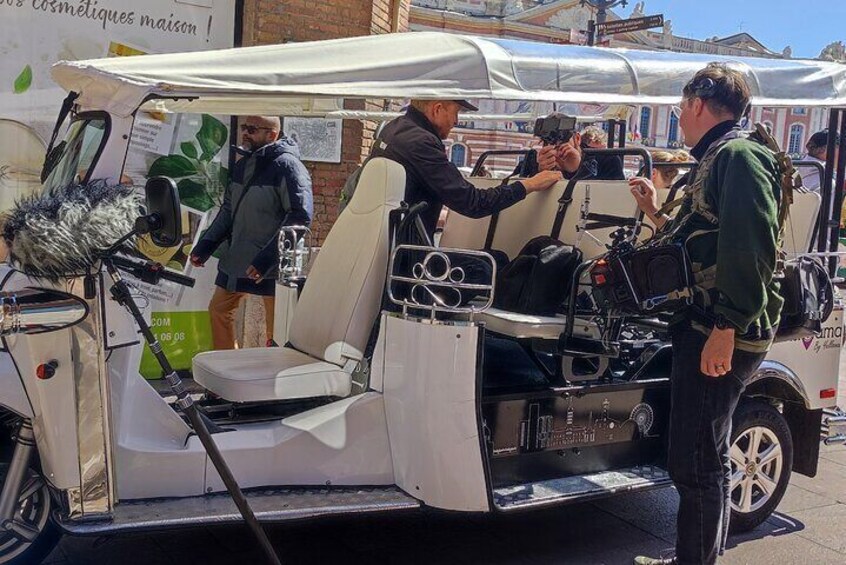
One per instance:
(269,188)
(412,141)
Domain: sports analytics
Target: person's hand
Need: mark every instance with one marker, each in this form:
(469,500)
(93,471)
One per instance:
(568,158)
(645,195)
(254,275)
(717,353)
(546,158)
(196,261)
(542,181)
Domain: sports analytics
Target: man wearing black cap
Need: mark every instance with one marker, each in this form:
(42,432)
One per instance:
(415,141)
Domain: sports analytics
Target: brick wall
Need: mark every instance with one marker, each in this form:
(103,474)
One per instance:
(282,21)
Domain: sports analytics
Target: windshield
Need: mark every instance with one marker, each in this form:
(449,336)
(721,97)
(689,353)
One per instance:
(77,153)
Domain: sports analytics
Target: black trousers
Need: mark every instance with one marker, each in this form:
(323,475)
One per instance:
(700,429)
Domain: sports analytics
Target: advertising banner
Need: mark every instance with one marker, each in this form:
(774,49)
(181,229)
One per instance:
(34,34)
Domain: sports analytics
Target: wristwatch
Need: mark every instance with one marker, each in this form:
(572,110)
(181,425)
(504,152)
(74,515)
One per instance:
(721,323)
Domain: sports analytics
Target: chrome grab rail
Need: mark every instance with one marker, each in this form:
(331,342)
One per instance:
(435,285)
(294,252)
(39,310)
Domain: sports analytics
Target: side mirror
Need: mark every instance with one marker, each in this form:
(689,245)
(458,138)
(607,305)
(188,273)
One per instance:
(164,220)
(39,310)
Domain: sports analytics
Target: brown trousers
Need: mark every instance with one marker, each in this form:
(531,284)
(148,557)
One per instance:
(222,309)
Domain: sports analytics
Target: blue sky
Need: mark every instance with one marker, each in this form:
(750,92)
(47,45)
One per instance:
(806,25)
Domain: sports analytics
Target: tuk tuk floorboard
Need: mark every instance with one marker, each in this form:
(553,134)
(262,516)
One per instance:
(809,528)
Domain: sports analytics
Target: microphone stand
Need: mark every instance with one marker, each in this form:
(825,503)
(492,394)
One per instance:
(199,421)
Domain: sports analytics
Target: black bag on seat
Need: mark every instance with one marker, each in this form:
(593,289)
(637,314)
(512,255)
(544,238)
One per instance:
(538,280)
(808,299)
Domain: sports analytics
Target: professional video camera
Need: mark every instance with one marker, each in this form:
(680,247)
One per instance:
(652,278)
(555,128)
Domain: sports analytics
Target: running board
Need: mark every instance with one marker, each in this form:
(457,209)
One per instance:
(579,487)
(269,505)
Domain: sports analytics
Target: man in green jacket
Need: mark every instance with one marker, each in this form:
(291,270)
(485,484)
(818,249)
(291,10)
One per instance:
(728,222)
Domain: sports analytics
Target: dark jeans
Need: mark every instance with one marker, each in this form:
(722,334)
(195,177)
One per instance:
(700,429)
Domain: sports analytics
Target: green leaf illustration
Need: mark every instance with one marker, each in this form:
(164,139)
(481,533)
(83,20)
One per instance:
(173,166)
(194,195)
(224,177)
(212,136)
(188,149)
(24,80)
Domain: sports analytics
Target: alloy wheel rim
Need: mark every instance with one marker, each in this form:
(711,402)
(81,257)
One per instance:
(756,464)
(30,519)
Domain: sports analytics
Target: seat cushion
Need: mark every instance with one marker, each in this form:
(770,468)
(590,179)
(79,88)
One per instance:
(267,374)
(524,326)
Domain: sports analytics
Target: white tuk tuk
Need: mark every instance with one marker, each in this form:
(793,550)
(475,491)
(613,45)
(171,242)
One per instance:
(378,401)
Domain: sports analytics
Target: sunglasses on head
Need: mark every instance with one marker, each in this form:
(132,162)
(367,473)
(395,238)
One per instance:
(253,129)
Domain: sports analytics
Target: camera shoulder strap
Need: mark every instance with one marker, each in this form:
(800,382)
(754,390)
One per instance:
(565,201)
(789,178)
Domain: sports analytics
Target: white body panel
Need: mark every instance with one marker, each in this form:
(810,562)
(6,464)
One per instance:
(149,437)
(430,403)
(342,443)
(815,360)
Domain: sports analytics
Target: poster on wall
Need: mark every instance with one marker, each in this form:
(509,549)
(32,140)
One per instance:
(319,139)
(35,34)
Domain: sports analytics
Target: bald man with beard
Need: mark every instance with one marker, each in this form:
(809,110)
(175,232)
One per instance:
(269,188)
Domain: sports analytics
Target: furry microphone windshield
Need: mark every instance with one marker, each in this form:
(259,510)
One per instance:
(61,233)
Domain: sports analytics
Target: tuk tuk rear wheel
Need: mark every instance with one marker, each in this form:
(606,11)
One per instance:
(761,456)
(34,534)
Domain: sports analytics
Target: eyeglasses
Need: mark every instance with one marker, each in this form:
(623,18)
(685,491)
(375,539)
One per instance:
(251,129)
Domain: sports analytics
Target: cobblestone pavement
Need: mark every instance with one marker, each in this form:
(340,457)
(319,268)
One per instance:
(809,528)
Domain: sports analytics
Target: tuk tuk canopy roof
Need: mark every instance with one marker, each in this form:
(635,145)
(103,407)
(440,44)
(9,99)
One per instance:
(309,78)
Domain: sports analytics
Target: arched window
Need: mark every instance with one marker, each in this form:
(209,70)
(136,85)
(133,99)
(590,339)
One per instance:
(794,145)
(645,119)
(458,154)
(673,132)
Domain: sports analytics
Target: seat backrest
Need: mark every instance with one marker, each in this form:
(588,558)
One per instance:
(343,293)
(529,218)
(535,216)
(517,224)
(462,232)
(799,229)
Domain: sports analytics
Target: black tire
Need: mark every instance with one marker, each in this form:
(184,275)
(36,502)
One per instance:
(13,552)
(763,482)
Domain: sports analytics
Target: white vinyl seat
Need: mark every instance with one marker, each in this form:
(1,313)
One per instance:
(335,313)
(269,373)
(801,222)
